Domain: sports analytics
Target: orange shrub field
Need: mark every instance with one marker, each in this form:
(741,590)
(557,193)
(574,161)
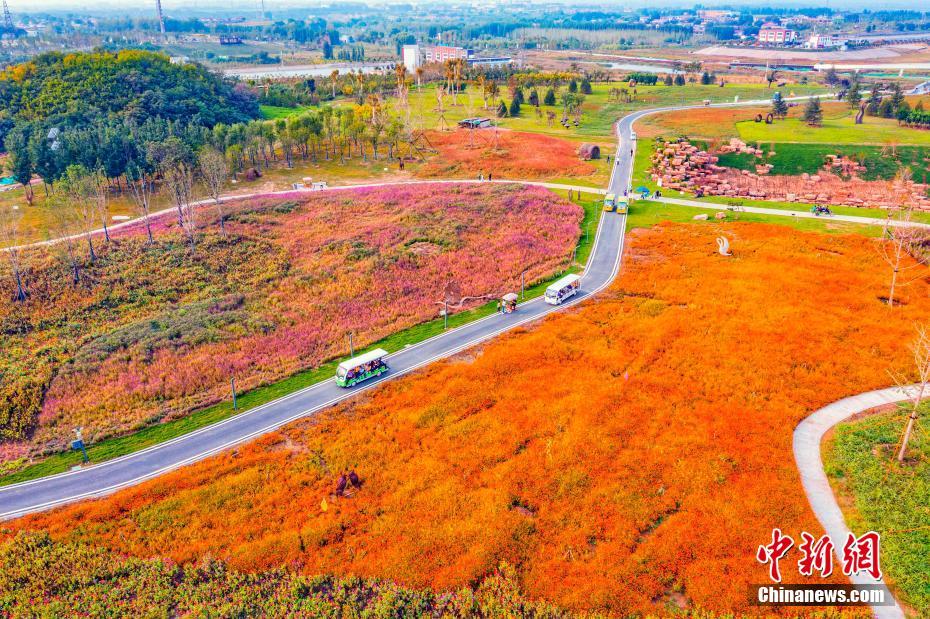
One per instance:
(515,155)
(629,455)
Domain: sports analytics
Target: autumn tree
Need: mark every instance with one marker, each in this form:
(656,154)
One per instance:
(214,172)
(10,239)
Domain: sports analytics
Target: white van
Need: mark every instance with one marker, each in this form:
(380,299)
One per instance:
(565,288)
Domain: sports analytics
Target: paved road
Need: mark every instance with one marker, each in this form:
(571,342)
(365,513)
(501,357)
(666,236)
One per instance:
(807,438)
(107,477)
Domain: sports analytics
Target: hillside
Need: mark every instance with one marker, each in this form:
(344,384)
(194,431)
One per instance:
(588,450)
(153,331)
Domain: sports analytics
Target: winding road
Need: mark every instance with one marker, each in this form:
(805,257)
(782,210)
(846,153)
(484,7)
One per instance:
(603,265)
(101,479)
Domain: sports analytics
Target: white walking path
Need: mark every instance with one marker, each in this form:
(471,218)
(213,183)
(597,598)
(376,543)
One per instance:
(808,436)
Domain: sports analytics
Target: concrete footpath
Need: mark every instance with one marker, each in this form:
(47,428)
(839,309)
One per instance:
(808,436)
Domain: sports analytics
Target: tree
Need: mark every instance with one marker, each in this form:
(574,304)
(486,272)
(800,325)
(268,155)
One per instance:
(214,172)
(771,77)
(920,349)
(901,239)
(573,85)
(140,185)
(20,159)
(779,106)
(668,81)
(831,78)
(514,107)
(886,109)
(180,181)
(549,99)
(706,79)
(897,98)
(854,94)
(585,86)
(10,238)
(76,189)
(904,112)
(874,102)
(534,98)
(679,80)
(501,110)
(813,113)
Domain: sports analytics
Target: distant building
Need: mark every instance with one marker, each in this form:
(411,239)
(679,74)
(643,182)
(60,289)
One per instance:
(230,39)
(824,41)
(413,56)
(713,15)
(773,34)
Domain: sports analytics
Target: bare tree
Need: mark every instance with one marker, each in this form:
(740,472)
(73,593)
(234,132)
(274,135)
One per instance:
(920,349)
(215,172)
(100,193)
(180,181)
(140,186)
(76,189)
(901,239)
(64,231)
(10,239)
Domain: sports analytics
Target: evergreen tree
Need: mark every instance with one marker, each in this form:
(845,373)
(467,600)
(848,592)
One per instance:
(707,79)
(874,101)
(501,110)
(534,98)
(897,97)
(886,109)
(779,106)
(854,95)
(668,79)
(585,86)
(679,80)
(904,112)
(518,94)
(515,107)
(573,86)
(813,113)
(830,78)
(549,99)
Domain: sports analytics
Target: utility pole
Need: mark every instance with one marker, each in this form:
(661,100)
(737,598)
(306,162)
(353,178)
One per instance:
(161,17)
(523,285)
(232,384)
(351,346)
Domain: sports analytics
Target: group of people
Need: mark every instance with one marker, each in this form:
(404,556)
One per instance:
(365,368)
(819,209)
(481,176)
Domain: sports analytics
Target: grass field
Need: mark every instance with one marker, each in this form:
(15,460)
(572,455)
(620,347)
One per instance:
(118,446)
(841,130)
(880,495)
(273,112)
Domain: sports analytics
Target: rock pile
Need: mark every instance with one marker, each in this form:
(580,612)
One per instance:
(681,165)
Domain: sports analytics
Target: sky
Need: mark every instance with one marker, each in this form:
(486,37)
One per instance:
(134,6)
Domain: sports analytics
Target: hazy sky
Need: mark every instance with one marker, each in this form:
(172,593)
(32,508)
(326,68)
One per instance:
(134,6)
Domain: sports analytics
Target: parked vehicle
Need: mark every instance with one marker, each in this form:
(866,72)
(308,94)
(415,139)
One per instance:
(361,368)
(623,205)
(563,289)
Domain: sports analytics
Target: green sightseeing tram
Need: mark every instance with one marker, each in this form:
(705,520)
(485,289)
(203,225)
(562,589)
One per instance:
(361,368)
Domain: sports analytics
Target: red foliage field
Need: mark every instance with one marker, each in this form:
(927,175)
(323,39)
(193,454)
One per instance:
(152,332)
(514,154)
(629,455)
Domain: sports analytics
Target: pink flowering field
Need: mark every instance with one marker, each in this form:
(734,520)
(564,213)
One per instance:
(153,332)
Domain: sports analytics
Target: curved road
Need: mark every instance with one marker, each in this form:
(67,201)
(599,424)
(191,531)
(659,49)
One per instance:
(40,494)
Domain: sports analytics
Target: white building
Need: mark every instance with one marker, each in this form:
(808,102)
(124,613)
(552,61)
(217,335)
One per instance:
(411,57)
(824,41)
(772,34)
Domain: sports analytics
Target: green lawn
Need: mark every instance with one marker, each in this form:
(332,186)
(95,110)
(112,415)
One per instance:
(273,112)
(842,130)
(888,498)
(152,435)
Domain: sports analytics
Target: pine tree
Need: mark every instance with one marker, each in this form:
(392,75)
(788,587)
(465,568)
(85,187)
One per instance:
(668,79)
(549,99)
(585,86)
(515,107)
(679,80)
(854,96)
(534,98)
(779,106)
(501,110)
(813,113)
(573,86)
(897,97)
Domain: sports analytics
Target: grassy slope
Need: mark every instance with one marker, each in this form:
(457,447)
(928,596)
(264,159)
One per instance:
(842,130)
(152,435)
(888,498)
